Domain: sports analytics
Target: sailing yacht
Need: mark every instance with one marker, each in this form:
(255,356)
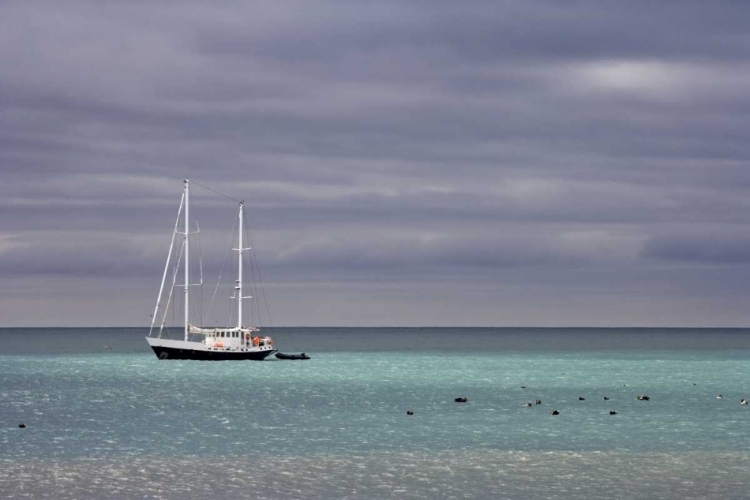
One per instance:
(239,342)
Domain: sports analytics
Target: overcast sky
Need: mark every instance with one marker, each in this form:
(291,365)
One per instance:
(579,163)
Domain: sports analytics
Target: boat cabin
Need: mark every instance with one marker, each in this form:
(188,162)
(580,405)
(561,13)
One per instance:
(235,339)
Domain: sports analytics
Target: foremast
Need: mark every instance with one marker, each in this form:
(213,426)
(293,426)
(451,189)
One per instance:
(183,217)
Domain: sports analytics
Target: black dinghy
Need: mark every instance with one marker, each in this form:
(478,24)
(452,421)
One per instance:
(281,355)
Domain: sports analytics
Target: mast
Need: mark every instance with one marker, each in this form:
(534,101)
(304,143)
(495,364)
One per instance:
(187,255)
(239,272)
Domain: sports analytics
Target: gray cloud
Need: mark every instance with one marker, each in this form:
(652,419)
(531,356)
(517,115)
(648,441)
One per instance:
(385,146)
(713,245)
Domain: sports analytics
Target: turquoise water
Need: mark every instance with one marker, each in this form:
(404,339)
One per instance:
(119,423)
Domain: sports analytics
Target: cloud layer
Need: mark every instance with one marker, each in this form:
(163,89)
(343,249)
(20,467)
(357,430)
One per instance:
(499,163)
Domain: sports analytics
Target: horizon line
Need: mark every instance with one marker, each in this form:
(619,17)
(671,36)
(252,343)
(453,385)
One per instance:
(414,326)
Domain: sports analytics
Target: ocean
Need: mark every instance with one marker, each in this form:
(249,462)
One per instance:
(119,423)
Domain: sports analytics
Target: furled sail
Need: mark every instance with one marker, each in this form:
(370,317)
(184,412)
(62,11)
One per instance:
(200,331)
(197,330)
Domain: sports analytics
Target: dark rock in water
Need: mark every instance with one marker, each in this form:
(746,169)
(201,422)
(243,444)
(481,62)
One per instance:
(612,412)
(554,412)
(461,400)
(409,412)
(22,425)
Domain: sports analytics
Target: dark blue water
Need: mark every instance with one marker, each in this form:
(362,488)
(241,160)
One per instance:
(58,341)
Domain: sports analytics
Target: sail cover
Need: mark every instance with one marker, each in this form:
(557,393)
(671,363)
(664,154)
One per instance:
(197,330)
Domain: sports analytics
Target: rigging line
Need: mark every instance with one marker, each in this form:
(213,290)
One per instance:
(168,305)
(263,292)
(256,272)
(254,305)
(221,272)
(254,269)
(254,256)
(255,302)
(171,290)
(166,266)
(231,311)
(215,191)
(200,263)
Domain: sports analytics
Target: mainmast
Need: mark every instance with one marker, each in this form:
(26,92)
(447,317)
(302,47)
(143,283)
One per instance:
(239,271)
(187,255)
